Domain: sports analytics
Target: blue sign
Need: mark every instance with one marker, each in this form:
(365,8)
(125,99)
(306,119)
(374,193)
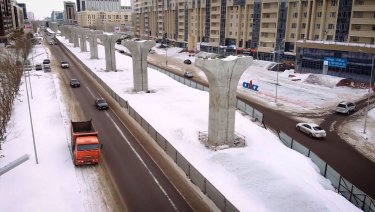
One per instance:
(336,62)
(250,85)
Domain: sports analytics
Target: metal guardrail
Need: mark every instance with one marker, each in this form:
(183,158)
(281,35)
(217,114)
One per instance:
(191,172)
(342,186)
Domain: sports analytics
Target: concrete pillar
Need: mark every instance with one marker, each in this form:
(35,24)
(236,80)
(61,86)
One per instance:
(93,41)
(139,51)
(62,29)
(70,34)
(109,42)
(223,76)
(75,36)
(82,39)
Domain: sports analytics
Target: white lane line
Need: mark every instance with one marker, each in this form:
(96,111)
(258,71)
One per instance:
(144,164)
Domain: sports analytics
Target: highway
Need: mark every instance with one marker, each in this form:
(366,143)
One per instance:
(142,185)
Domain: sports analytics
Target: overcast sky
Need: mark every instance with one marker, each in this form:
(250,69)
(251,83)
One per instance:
(44,8)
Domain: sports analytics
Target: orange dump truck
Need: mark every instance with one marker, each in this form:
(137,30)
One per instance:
(85,143)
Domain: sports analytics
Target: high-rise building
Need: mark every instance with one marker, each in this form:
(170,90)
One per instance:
(57,16)
(70,13)
(30,16)
(6,23)
(95,5)
(116,21)
(23,6)
(17,16)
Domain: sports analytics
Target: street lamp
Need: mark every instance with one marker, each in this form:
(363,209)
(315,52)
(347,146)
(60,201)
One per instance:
(278,66)
(369,90)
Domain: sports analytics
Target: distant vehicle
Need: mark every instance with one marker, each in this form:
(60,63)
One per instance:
(46,61)
(187,61)
(118,41)
(121,51)
(101,104)
(85,143)
(313,130)
(288,64)
(152,51)
(27,67)
(64,64)
(47,67)
(276,67)
(74,83)
(51,42)
(345,107)
(38,67)
(188,74)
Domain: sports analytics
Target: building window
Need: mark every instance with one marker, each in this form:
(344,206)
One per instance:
(318,26)
(333,2)
(320,3)
(316,37)
(302,36)
(294,25)
(319,14)
(295,15)
(373,28)
(357,27)
(292,35)
(331,26)
(359,2)
(329,37)
(305,14)
(355,39)
(303,25)
(230,33)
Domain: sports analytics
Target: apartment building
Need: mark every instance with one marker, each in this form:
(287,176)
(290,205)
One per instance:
(70,13)
(17,16)
(107,21)
(98,5)
(6,23)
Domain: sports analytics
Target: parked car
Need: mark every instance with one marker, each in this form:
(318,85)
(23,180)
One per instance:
(38,67)
(74,83)
(101,104)
(121,51)
(187,61)
(64,64)
(188,74)
(313,130)
(47,67)
(345,107)
(276,67)
(51,42)
(46,61)
(118,41)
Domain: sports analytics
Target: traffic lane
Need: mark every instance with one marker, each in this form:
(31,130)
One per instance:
(340,155)
(143,189)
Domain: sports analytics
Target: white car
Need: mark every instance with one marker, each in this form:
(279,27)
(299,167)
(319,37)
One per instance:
(313,130)
(345,107)
(64,64)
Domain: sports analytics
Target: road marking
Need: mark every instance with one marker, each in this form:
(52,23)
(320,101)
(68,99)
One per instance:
(144,164)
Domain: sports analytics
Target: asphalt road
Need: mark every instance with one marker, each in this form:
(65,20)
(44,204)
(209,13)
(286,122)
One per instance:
(141,183)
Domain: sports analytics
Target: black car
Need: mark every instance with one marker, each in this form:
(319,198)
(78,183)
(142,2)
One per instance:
(187,61)
(38,67)
(121,51)
(74,83)
(46,61)
(101,104)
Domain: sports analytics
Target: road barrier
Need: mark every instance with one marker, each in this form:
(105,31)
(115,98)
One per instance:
(342,186)
(191,172)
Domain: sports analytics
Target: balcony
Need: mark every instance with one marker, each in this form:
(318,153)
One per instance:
(270,10)
(271,30)
(215,12)
(269,20)
(363,21)
(362,33)
(215,27)
(364,8)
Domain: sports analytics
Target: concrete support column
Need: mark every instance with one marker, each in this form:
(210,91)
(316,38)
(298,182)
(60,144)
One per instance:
(75,37)
(109,42)
(322,30)
(82,39)
(139,51)
(70,34)
(223,77)
(93,41)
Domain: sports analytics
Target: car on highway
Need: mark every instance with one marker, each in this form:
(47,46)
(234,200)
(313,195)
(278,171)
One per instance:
(345,107)
(46,61)
(101,104)
(64,64)
(121,51)
(187,61)
(51,42)
(74,83)
(38,67)
(313,130)
(47,67)
(188,74)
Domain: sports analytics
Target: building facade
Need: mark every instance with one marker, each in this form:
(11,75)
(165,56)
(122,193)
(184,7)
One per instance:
(57,16)
(17,17)
(98,5)
(23,6)
(70,13)
(259,24)
(107,21)
(6,22)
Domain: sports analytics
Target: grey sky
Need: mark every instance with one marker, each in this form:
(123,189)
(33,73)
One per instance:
(44,8)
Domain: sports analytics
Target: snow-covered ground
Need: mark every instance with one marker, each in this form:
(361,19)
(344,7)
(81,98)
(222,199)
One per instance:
(263,176)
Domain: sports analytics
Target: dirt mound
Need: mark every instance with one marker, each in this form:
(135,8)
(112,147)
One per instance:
(353,83)
(323,80)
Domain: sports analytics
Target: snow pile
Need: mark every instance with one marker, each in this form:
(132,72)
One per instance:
(323,80)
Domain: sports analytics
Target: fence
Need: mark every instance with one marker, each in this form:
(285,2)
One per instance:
(343,186)
(191,172)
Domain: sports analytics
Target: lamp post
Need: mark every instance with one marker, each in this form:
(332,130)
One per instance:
(278,66)
(369,90)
